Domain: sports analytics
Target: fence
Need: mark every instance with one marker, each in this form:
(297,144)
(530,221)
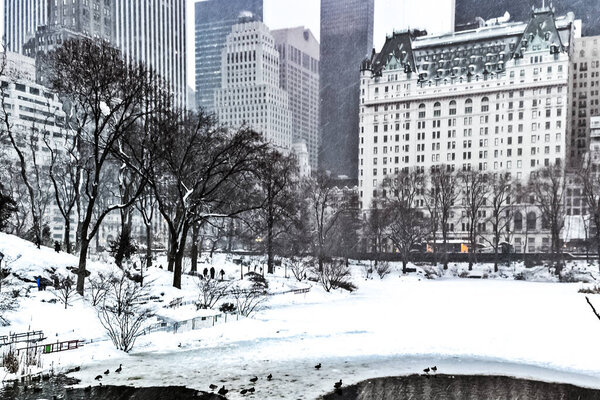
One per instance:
(188,325)
(54,347)
(24,337)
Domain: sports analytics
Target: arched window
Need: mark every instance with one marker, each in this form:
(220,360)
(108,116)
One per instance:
(531,221)
(485,104)
(469,106)
(518,221)
(453,107)
(437,109)
(421,110)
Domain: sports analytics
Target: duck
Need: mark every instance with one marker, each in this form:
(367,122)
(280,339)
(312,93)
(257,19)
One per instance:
(426,370)
(87,389)
(318,366)
(98,377)
(338,384)
(269,377)
(253,380)
(118,370)
(251,390)
(243,391)
(107,372)
(434,368)
(223,391)
(212,386)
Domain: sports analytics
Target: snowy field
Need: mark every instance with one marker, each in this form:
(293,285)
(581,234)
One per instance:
(395,326)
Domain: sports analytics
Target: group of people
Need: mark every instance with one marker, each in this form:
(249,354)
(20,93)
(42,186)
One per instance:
(212,273)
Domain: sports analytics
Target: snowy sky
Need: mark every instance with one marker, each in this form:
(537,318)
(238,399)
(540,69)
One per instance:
(434,15)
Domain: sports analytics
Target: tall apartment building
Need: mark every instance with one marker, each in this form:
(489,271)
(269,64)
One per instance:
(35,115)
(299,77)
(213,22)
(346,39)
(70,20)
(20,20)
(586,94)
(495,99)
(154,32)
(250,92)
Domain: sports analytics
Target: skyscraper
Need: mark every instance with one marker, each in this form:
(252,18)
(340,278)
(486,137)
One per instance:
(69,21)
(299,77)
(153,32)
(346,39)
(214,20)
(250,93)
(21,18)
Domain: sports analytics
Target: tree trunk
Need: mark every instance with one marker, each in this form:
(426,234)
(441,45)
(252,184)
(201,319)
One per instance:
(194,250)
(67,235)
(171,252)
(270,268)
(148,245)
(85,244)
(180,250)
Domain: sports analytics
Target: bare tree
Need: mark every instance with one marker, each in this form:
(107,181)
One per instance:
(377,226)
(105,97)
(124,312)
(146,205)
(474,196)
(326,207)
(64,290)
(501,209)
(441,197)
(408,226)
(548,187)
(200,172)
(275,175)
(24,144)
(7,208)
(210,291)
(590,179)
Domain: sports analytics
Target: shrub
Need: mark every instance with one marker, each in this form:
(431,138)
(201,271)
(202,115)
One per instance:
(10,361)
(227,308)
(520,276)
(257,279)
(335,274)
(382,269)
(123,312)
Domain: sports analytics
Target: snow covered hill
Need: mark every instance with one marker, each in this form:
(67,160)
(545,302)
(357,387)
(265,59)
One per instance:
(394,326)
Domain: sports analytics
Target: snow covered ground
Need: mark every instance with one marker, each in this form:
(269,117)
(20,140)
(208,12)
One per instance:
(395,326)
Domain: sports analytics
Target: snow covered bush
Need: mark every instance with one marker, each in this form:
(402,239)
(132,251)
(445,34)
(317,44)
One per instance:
(210,291)
(249,300)
(335,274)
(123,312)
(383,269)
(299,268)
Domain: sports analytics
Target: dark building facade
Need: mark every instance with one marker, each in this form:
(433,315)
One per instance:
(346,39)
(520,10)
(213,22)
